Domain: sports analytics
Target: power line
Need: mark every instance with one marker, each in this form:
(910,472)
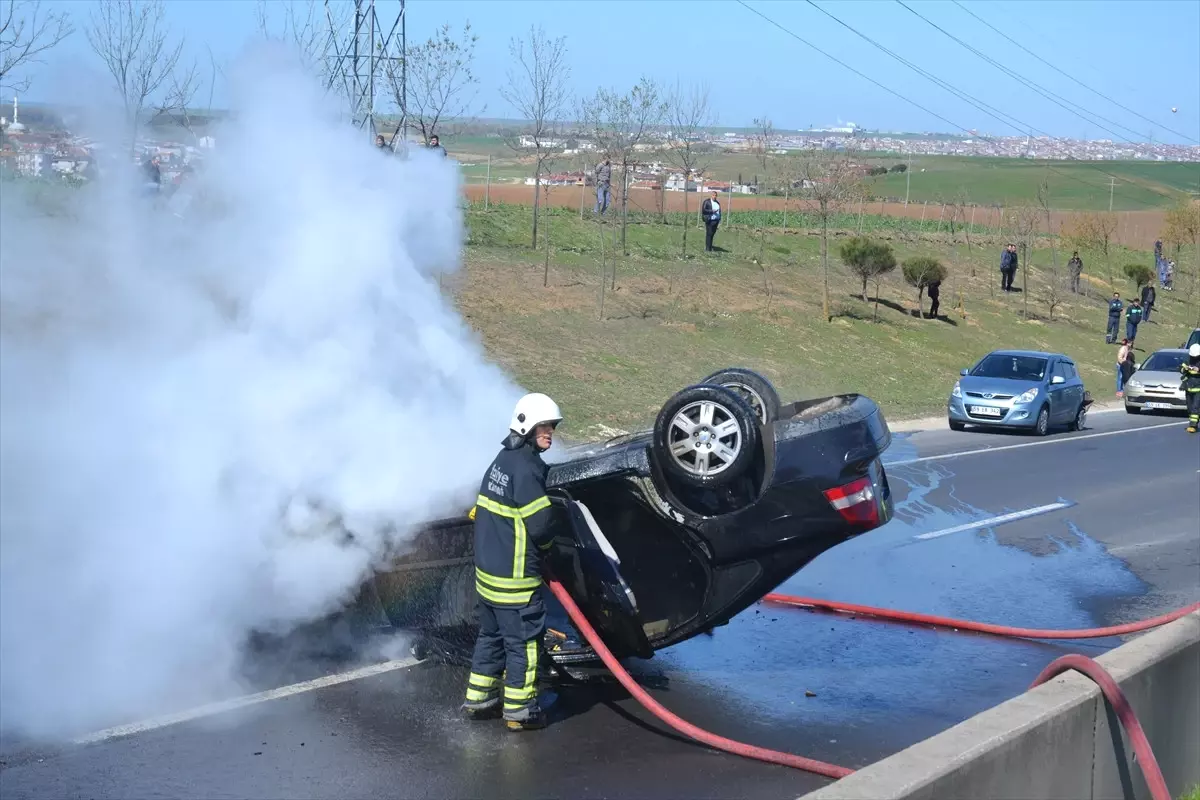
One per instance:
(1046,93)
(1071,77)
(915,103)
(981,105)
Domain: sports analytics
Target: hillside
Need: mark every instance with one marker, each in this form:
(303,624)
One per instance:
(670,321)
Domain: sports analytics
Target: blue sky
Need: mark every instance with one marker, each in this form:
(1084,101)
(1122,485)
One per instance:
(1145,55)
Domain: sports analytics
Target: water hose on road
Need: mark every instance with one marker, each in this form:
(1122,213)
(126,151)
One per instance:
(1082,664)
(686,728)
(980,627)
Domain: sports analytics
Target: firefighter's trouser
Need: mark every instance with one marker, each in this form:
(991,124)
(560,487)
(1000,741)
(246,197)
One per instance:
(508,644)
(1193,406)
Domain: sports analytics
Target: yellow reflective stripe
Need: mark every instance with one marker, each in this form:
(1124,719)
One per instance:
(513,706)
(531,659)
(515,693)
(529,509)
(519,549)
(496,508)
(507,583)
(503,598)
(482,681)
(475,695)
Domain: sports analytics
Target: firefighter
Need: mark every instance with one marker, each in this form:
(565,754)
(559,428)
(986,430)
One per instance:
(514,528)
(1191,385)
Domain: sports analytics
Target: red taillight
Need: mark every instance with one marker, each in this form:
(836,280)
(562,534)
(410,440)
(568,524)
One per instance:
(855,502)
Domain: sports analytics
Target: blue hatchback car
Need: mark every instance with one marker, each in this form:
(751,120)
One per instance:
(1019,389)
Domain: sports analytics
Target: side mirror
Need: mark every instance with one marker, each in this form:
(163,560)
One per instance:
(962,372)
(1137,365)
(1058,379)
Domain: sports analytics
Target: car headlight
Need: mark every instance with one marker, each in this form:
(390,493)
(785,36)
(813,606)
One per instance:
(1027,397)
(956,392)
(1134,384)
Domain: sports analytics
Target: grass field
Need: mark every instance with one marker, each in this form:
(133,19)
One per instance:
(1074,185)
(669,321)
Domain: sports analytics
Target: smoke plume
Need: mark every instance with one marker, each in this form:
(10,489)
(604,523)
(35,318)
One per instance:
(188,399)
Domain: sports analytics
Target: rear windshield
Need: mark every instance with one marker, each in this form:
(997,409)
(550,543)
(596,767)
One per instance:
(1163,362)
(1018,368)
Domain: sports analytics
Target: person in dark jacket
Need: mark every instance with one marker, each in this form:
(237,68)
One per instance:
(514,528)
(1133,318)
(436,144)
(934,290)
(1147,301)
(1075,268)
(1190,384)
(1008,267)
(1115,307)
(603,186)
(710,211)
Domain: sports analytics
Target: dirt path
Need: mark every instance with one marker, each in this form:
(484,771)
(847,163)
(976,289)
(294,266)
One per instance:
(1136,229)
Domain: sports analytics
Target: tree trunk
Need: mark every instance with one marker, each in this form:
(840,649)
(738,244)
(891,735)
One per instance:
(686,218)
(875,318)
(825,262)
(624,209)
(537,197)
(546,272)
(864,289)
(920,302)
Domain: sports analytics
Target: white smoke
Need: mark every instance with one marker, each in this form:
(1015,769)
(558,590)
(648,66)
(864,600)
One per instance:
(174,391)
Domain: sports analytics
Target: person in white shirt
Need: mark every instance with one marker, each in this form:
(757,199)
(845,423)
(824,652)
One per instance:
(711,212)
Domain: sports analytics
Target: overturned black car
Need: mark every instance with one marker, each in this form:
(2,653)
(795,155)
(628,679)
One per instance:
(674,530)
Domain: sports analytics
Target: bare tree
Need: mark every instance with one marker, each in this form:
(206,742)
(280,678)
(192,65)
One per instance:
(1094,231)
(619,123)
(130,38)
(436,83)
(1025,224)
(537,90)
(26,33)
(830,181)
(688,113)
(311,31)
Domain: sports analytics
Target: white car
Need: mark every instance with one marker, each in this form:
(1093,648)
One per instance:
(1157,385)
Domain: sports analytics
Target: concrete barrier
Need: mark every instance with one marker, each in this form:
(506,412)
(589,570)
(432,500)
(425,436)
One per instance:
(1060,740)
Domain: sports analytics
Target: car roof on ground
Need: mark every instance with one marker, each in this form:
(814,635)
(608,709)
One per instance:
(1034,353)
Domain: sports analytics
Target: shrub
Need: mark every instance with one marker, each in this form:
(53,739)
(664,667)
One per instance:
(1140,274)
(867,259)
(920,271)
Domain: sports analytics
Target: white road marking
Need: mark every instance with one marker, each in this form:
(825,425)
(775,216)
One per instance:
(1029,444)
(1000,520)
(246,700)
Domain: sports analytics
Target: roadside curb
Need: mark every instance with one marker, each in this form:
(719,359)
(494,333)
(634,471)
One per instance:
(914,425)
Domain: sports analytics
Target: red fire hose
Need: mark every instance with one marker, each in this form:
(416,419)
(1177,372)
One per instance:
(1086,666)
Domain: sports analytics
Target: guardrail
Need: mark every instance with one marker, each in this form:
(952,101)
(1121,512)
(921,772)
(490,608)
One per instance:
(1060,739)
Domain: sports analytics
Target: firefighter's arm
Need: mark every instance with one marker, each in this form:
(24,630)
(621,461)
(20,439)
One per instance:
(529,495)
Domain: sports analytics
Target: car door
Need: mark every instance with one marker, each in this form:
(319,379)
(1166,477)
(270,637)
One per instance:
(1076,384)
(1059,401)
(589,568)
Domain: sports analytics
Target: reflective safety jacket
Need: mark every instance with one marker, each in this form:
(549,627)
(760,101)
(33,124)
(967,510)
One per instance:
(1191,375)
(513,525)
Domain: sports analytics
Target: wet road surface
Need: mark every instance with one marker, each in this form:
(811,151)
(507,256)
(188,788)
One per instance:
(1120,541)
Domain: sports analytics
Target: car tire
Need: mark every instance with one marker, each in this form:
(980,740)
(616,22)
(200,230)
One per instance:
(1042,426)
(753,387)
(731,423)
(957,426)
(1080,418)
(1132,409)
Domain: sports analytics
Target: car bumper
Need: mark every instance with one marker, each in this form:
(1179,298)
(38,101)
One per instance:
(1134,398)
(1001,414)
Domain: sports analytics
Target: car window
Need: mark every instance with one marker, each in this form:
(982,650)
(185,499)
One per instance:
(1069,369)
(1163,362)
(1018,368)
(1193,339)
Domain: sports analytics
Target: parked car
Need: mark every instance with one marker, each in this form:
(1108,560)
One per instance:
(1191,340)
(1019,389)
(672,530)
(1157,383)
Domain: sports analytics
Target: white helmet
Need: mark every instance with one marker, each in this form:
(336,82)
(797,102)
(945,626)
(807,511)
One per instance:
(532,410)
(1194,350)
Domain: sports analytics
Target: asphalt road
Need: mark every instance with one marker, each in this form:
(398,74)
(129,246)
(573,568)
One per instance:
(1105,528)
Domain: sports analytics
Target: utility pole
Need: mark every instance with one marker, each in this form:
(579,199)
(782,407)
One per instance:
(1112,184)
(907,178)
